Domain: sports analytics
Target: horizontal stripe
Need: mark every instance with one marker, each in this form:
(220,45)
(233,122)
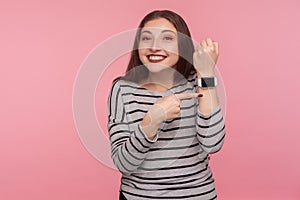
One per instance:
(207,118)
(119,139)
(172,158)
(212,125)
(171,197)
(117,132)
(138,150)
(213,145)
(131,102)
(135,165)
(116,124)
(167,183)
(120,161)
(181,187)
(141,95)
(137,138)
(132,154)
(170,177)
(174,148)
(137,110)
(173,167)
(162,138)
(180,118)
(212,135)
(178,128)
(176,183)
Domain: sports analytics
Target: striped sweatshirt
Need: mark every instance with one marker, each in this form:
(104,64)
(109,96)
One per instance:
(175,164)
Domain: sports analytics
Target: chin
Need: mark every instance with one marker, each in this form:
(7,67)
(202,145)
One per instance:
(155,68)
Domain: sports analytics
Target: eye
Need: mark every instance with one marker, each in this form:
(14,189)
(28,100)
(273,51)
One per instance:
(168,38)
(145,38)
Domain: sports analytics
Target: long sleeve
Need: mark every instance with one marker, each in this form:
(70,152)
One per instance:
(129,143)
(211,130)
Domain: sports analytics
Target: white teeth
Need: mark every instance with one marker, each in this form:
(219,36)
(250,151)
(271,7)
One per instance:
(156,57)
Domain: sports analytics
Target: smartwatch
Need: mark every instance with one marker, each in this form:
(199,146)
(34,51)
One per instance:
(206,82)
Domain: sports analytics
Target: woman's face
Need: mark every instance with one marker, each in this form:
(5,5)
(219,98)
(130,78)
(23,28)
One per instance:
(158,45)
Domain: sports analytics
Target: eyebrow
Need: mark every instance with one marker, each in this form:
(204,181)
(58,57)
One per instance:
(146,31)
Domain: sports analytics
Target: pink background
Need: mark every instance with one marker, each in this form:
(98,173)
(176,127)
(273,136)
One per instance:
(44,43)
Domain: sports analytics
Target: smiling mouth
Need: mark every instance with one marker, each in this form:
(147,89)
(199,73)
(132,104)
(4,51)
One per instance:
(156,58)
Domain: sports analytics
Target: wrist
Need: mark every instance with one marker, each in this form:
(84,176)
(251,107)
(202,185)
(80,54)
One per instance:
(149,120)
(149,127)
(206,74)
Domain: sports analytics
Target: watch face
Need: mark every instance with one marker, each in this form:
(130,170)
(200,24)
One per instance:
(207,82)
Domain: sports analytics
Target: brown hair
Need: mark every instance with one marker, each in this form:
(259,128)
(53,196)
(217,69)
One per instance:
(185,45)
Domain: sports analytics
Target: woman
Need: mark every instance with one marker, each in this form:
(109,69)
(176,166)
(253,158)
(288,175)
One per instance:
(164,116)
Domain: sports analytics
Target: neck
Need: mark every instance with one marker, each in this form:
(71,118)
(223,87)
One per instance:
(164,78)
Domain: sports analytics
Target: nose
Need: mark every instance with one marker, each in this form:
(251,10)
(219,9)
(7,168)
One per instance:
(155,45)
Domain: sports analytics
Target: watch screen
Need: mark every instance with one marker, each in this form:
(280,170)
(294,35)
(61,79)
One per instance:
(208,82)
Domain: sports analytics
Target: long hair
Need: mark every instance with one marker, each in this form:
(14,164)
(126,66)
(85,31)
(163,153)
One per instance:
(185,47)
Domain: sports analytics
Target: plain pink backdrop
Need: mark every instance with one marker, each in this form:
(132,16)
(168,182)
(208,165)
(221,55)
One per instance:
(43,44)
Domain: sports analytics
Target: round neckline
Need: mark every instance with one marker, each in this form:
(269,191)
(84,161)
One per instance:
(155,91)
(169,91)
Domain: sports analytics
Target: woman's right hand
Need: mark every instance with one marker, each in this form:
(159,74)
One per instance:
(165,108)
(168,107)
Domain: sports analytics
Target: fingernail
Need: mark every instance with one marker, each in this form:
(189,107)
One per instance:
(200,95)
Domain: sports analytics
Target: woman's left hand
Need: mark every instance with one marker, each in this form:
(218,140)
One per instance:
(205,57)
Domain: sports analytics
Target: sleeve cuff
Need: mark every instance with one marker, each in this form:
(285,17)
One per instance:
(217,109)
(142,134)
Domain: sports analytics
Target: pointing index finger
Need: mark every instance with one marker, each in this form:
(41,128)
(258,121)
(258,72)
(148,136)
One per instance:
(188,95)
